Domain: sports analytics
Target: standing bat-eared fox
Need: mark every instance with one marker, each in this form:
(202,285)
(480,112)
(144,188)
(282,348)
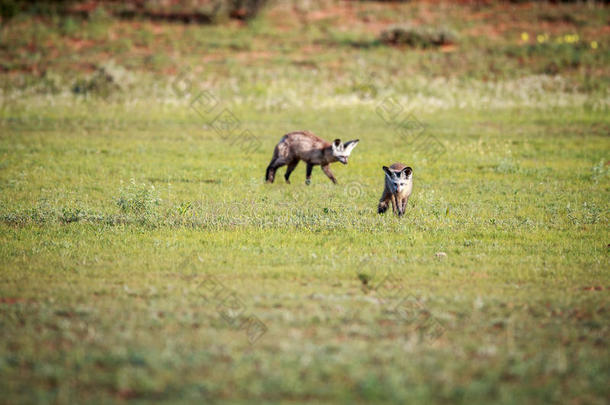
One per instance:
(398,188)
(304,145)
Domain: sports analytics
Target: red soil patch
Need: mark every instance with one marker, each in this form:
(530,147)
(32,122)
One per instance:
(11,300)
(78,44)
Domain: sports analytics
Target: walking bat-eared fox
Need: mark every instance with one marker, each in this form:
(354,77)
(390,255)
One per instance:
(398,188)
(304,145)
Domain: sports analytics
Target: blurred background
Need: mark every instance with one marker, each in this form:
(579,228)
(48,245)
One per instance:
(312,52)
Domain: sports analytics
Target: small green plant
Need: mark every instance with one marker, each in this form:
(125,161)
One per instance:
(364,278)
(138,199)
(70,215)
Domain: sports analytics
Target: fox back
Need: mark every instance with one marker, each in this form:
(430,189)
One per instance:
(305,146)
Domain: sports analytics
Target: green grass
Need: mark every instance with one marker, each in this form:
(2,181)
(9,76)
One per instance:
(138,247)
(104,291)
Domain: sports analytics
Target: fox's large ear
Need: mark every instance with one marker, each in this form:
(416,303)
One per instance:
(349,145)
(337,145)
(407,171)
(387,171)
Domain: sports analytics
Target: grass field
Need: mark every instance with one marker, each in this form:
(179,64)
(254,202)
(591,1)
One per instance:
(142,258)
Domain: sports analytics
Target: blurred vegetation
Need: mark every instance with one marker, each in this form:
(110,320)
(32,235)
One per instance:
(187,11)
(419,37)
(495,41)
(11,8)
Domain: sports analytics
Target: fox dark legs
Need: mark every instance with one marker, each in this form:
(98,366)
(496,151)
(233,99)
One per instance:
(403,206)
(326,169)
(273,166)
(276,164)
(394,204)
(308,174)
(290,168)
(382,207)
(398,207)
(383,203)
(270,174)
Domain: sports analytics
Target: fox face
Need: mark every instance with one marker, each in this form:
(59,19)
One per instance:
(398,180)
(341,151)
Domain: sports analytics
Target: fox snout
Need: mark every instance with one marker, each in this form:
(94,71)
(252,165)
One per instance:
(343,159)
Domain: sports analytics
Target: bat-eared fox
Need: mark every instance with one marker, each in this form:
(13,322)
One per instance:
(398,188)
(304,145)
